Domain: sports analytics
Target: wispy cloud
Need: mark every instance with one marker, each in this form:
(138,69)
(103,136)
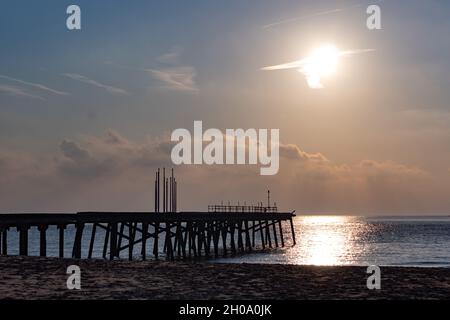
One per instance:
(290,20)
(173,57)
(174,75)
(317,14)
(176,78)
(34,85)
(18,91)
(95,83)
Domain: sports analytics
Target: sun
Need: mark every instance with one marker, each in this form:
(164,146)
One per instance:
(320,63)
(323,60)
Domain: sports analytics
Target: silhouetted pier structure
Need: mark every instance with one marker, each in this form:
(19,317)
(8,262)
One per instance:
(221,231)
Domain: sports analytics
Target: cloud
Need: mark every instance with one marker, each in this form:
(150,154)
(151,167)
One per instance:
(109,155)
(78,163)
(95,83)
(172,74)
(18,91)
(368,186)
(317,14)
(292,151)
(296,19)
(112,137)
(111,172)
(72,151)
(176,78)
(35,85)
(173,57)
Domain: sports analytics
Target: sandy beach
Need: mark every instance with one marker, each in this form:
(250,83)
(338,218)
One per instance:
(45,278)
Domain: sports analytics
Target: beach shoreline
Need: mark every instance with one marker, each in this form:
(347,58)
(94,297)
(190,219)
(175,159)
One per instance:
(45,278)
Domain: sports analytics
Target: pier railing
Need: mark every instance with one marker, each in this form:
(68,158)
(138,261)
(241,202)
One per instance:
(239,208)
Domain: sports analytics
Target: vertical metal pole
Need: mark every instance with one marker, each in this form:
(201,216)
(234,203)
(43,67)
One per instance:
(156,191)
(164,189)
(167,194)
(171,192)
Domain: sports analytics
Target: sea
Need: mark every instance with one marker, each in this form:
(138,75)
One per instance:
(320,240)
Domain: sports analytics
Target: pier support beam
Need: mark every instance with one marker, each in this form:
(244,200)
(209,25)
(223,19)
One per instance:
(131,236)
(4,242)
(253,233)
(224,238)
(113,241)
(23,240)
(144,240)
(105,243)
(268,234)
(91,244)
(275,233)
(61,229)
(76,252)
(247,236)
(240,240)
(232,240)
(155,243)
(4,246)
(43,240)
(293,231)
(281,233)
(263,241)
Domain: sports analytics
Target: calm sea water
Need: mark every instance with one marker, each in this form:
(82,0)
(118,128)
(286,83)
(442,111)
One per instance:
(321,240)
(348,240)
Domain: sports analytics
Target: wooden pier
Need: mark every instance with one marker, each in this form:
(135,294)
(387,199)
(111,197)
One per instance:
(182,235)
(223,230)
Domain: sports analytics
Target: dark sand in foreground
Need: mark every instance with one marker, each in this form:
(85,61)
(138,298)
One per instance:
(45,278)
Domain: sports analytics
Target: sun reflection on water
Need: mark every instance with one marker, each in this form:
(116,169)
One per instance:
(324,240)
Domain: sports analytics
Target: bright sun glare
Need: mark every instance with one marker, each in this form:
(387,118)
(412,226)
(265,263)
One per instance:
(320,63)
(323,60)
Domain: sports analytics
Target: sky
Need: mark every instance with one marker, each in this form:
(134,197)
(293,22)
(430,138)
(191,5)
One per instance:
(86,115)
